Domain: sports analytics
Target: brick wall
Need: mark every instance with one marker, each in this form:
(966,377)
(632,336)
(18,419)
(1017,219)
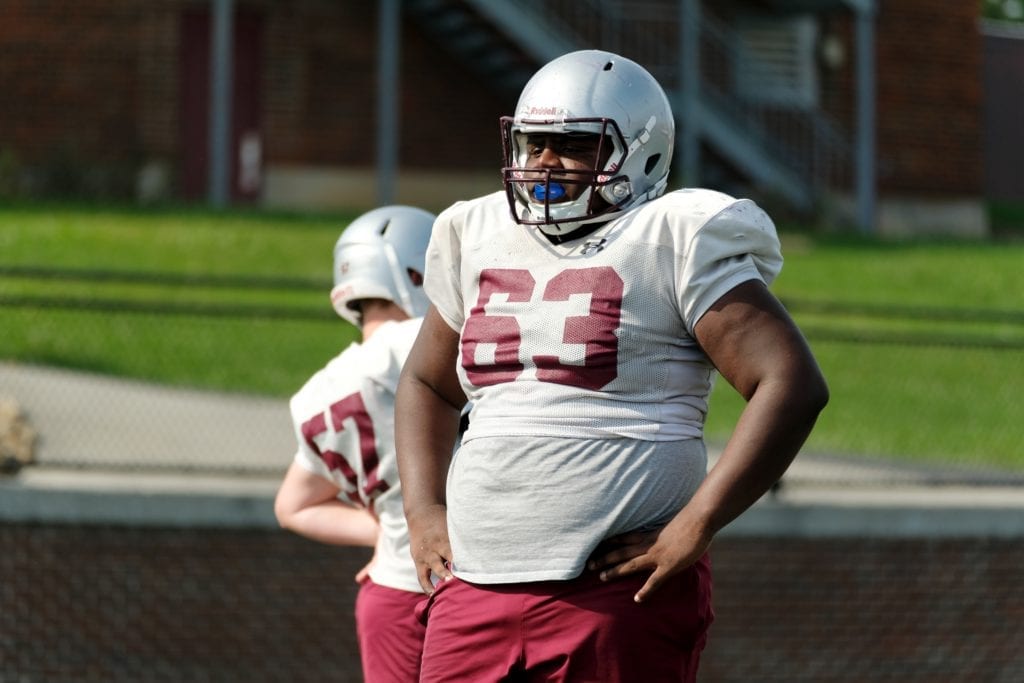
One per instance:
(71,90)
(929,98)
(96,603)
(321,93)
(68,76)
(92,87)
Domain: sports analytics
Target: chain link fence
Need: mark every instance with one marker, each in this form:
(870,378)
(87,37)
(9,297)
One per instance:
(135,402)
(135,386)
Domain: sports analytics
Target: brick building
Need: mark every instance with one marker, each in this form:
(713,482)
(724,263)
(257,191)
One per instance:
(110,98)
(101,95)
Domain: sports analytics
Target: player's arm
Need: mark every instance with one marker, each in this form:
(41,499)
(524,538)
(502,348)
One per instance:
(427,407)
(308,504)
(757,347)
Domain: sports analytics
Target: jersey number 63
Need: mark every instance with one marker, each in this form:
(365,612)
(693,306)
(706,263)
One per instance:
(595,331)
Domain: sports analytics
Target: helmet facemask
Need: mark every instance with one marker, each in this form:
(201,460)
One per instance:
(535,193)
(598,93)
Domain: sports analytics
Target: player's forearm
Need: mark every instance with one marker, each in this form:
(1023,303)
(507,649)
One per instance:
(427,406)
(769,434)
(334,523)
(426,427)
(757,347)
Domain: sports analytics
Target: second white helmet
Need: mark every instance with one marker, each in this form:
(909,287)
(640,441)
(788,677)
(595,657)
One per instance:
(591,91)
(381,255)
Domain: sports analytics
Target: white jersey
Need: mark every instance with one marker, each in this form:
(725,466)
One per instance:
(344,424)
(589,343)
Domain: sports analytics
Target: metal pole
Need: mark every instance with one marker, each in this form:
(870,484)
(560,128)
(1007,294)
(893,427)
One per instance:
(866,103)
(388,44)
(221,39)
(688,134)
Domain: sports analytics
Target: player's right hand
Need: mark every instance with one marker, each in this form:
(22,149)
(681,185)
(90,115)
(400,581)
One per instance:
(428,542)
(619,549)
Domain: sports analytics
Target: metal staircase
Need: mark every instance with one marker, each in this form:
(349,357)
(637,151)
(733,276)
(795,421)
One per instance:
(484,46)
(783,148)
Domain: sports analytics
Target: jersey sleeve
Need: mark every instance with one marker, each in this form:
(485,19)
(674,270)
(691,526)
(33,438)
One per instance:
(307,424)
(443,264)
(310,460)
(737,244)
(343,417)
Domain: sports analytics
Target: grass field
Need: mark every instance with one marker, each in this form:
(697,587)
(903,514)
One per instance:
(922,343)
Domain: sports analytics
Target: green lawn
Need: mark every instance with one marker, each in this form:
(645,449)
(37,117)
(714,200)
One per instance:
(922,343)
(256,264)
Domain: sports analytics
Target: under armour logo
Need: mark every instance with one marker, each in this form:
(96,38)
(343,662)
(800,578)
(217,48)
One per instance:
(593,246)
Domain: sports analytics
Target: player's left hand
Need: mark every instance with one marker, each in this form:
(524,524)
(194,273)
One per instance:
(363,574)
(664,552)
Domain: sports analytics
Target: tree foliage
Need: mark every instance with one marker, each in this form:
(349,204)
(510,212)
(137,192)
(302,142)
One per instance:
(1005,10)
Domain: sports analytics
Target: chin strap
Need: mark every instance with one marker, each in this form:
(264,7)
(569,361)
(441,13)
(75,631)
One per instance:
(577,233)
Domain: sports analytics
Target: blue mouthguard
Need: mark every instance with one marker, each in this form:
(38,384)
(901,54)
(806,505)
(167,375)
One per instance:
(551,191)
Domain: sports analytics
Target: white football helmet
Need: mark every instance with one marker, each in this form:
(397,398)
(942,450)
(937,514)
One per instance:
(381,255)
(589,91)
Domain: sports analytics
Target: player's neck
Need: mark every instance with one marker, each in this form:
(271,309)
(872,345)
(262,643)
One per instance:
(371,326)
(371,322)
(575,234)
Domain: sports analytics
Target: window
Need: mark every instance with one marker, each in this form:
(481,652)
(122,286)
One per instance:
(776,61)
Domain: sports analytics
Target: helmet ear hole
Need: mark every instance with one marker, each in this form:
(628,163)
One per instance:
(652,161)
(357,310)
(380,256)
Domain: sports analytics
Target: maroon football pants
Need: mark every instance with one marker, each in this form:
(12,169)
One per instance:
(578,630)
(390,635)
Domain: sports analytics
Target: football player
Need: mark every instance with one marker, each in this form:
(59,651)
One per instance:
(342,486)
(584,312)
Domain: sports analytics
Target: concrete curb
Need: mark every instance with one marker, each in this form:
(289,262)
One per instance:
(936,512)
(200,501)
(74,497)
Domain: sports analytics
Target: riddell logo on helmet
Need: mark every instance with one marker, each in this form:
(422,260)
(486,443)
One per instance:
(544,111)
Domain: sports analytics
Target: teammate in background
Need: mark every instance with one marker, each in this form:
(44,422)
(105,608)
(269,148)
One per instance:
(568,538)
(342,487)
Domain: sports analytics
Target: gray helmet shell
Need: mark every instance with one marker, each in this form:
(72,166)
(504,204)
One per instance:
(381,255)
(591,91)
